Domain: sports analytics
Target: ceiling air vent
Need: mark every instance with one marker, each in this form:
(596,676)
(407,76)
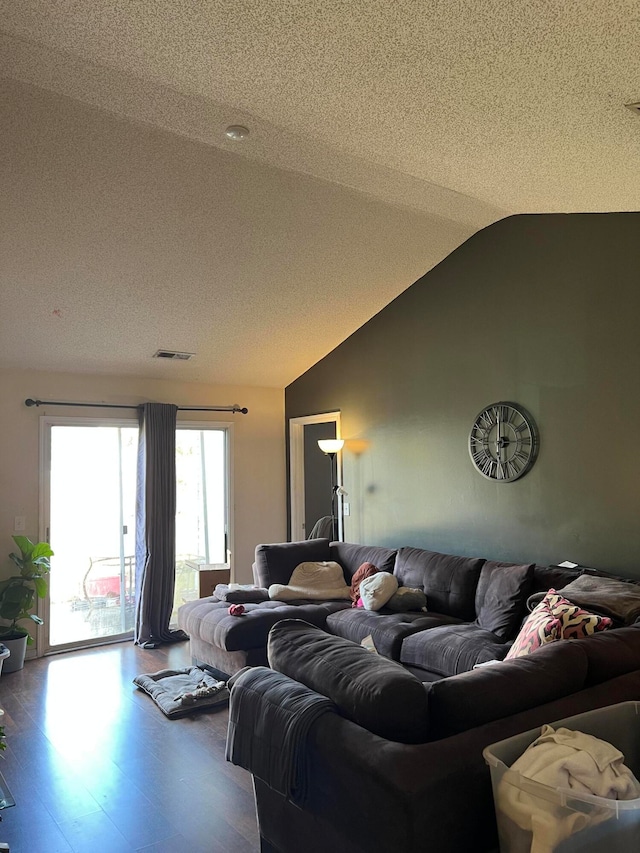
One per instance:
(635,108)
(173,355)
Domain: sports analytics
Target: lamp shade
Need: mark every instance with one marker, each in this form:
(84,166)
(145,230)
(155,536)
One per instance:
(330,445)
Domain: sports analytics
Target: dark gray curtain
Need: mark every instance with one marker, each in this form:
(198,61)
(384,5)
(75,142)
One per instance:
(156,525)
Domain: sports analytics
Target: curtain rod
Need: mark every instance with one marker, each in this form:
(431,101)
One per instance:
(234,409)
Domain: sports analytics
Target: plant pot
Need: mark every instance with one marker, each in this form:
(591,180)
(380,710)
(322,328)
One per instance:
(18,647)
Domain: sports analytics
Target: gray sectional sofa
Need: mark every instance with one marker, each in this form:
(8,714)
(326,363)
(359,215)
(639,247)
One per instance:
(475,608)
(391,758)
(397,765)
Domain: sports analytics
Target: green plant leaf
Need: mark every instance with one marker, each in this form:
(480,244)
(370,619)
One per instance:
(25,545)
(41,586)
(36,619)
(42,549)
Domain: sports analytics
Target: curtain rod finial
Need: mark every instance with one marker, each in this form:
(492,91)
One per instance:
(30,402)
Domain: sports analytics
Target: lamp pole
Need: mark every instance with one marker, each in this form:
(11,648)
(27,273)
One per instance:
(331,447)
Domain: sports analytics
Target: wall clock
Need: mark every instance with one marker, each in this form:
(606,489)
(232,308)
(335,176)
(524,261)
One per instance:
(503,442)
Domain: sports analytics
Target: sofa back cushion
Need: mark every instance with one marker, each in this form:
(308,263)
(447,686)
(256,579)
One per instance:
(275,563)
(552,577)
(611,653)
(499,690)
(501,597)
(351,557)
(368,689)
(449,582)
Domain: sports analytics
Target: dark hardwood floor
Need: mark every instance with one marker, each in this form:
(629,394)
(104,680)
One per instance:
(95,766)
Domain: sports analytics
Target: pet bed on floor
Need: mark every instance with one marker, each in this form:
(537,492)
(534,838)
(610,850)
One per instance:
(182,691)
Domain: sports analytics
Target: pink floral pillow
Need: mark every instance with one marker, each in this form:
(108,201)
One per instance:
(541,627)
(556,618)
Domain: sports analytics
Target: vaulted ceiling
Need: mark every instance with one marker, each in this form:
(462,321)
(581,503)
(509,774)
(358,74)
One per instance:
(382,135)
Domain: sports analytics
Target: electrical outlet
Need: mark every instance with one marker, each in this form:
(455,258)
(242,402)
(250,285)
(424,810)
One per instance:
(19,524)
(346,508)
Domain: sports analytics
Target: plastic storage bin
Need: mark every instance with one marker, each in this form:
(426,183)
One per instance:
(579,823)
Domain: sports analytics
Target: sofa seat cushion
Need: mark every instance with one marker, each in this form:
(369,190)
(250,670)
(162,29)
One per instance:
(449,582)
(387,629)
(506,688)
(376,693)
(451,649)
(209,620)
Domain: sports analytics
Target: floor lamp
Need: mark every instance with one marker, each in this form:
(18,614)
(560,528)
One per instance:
(332,446)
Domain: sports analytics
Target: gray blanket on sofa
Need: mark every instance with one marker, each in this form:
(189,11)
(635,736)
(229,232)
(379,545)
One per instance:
(269,719)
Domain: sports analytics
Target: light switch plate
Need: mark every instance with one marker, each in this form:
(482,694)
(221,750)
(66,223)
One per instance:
(19,524)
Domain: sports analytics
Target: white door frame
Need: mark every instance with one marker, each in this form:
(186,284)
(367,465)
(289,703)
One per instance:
(296,471)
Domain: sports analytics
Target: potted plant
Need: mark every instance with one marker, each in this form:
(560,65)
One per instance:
(17,595)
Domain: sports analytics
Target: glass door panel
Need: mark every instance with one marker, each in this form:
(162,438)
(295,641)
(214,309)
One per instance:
(201,507)
(92,533)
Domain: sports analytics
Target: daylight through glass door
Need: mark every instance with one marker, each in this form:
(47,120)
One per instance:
(92,532)
(90,513)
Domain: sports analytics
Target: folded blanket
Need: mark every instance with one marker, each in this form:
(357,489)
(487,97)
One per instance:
(617,599)
(235,593)
(269,719)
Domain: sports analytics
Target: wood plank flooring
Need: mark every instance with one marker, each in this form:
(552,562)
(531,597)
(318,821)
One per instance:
(95,767)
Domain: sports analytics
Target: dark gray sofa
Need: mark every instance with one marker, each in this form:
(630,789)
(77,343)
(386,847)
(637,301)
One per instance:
(475,608)
(396,765)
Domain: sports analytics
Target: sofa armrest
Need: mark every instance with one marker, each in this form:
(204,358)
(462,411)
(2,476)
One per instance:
(275,563)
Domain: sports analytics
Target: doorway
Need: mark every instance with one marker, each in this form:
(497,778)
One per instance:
(88,511)
(90,521)
(310,473)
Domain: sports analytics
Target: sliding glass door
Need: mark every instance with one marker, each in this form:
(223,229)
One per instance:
(91,513)
(202,500)
(89,493)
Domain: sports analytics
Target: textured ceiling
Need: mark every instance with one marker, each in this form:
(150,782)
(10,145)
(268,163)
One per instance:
(382,135)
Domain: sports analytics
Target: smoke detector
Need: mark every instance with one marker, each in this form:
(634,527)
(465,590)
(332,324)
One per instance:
(174,355)
(237,132)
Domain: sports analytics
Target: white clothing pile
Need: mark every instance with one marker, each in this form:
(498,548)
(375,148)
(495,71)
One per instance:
(569,760)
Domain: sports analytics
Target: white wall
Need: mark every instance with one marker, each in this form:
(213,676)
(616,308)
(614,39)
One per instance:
(258,454)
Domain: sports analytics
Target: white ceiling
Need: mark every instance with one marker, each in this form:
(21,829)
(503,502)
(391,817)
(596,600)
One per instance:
(382,136)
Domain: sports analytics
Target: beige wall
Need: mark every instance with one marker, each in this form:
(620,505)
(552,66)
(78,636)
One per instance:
(258,447)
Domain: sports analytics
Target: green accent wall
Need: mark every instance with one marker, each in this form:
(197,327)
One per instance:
(541,310)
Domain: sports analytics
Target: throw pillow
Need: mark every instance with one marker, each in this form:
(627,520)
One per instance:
(540,627)
(556,618)
(407,599)
(576,622)
(315,581)
(376,590)
(365,571)
(501,594)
